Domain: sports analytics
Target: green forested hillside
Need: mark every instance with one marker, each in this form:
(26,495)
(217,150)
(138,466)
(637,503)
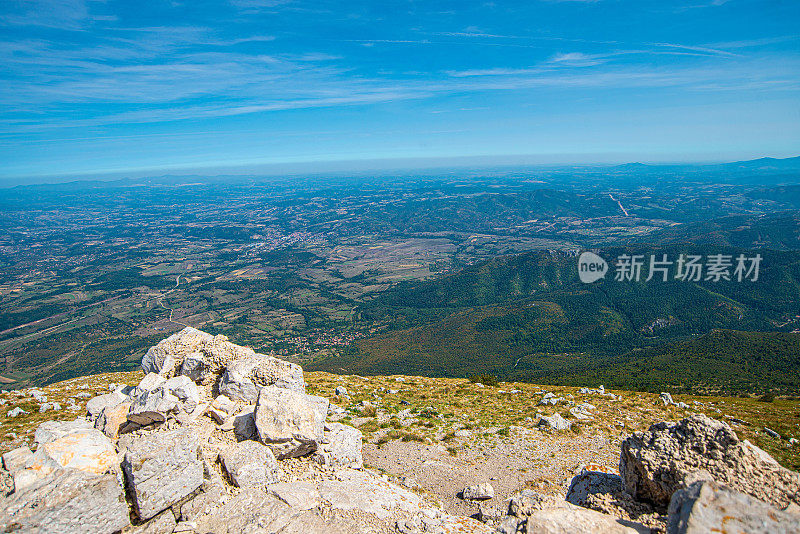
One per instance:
(529,317)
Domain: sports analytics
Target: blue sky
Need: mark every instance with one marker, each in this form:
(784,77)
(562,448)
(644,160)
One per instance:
(95,87)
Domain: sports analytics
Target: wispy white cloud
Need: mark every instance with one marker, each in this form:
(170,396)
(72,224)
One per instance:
(63,14)
(697,49)
(579,59)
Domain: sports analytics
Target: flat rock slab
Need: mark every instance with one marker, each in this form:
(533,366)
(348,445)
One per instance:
(569,519)
(85,450)
(161,468)
(358,490)
(445,524)
(67,501)
(251,511)
(298,495)
(50,430)
(708,507)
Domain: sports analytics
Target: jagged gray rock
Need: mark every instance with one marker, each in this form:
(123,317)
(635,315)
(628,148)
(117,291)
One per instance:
(591,482)
(288,422)
(656,463)
(185,390)
(244,424)
(67,500)
(250,464)
(245,376)
(194,366)
(161,468)
(152,407)
(708,507)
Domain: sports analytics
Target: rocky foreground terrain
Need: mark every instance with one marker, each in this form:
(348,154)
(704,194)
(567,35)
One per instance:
(212,437)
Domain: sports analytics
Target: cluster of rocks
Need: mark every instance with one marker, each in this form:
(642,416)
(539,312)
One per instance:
(215,438)
(601,390)
(666,398)
(37,396)
(690,477)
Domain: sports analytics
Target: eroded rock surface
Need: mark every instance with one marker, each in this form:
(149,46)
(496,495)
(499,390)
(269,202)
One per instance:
(67,500)
(654,464)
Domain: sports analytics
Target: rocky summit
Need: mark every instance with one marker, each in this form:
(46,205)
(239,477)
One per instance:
(217,438)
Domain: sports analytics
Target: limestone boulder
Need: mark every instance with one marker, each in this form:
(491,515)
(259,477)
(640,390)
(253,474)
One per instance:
(478,492)
(288,422)
(245,376)
(150,382)
(708,507)
(185,390)
(111,419)
(161,468)
(194,366)
(67,500)
(250,464)
(342,446)
(51,430)
(590,482)
(554,422)
(153,406)
(197,354)
(244,425)
(17,459)
(656,463)
(85,450)
(96,405)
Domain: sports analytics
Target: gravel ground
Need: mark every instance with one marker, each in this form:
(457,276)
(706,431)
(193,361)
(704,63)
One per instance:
(528,458)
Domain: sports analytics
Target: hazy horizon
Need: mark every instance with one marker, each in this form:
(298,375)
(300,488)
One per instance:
(356,167)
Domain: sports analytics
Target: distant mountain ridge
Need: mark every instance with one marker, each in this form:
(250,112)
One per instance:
(528,317)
